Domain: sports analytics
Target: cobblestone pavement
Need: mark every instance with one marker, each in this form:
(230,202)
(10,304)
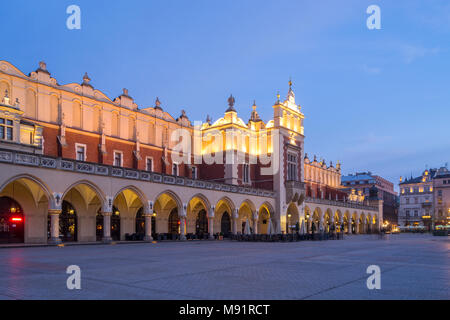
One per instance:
(413,266)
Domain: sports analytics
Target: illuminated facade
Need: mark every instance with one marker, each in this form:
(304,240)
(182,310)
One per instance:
(78,166)
(416,200)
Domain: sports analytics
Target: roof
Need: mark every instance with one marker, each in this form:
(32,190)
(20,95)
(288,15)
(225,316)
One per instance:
(358,177)
(431,172)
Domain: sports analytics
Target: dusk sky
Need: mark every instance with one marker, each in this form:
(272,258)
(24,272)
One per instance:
(377,100)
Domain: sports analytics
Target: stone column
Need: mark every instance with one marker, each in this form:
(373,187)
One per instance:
(255,224)
(332,224)
(211,227)
(183,228)
(107,227)
(148,227)
(54,226)
(357,225)
(349,226)
(183,223)
(235,219)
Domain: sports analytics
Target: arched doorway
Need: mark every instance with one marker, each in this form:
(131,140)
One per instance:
(11,221)
(174,222)
(225,224)
(201,224)
(68,223)
(140,221)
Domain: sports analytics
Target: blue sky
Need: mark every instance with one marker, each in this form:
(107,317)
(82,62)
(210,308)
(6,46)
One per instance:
(376,100)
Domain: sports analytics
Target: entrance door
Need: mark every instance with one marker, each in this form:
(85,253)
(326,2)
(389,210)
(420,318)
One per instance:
(11,221)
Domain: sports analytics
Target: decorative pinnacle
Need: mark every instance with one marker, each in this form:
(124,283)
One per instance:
(86,78)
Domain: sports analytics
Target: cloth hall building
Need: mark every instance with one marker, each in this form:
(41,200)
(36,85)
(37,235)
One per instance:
(76,166)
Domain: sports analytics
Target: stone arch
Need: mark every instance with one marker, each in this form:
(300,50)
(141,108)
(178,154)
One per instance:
(292,218)
(265,214)
(224,206)
(198,211)
(86,199)
(328,215)
(246,215)
(34,198)
(166,203)
(91,185)
(128,201)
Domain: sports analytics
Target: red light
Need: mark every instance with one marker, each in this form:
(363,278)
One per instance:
(16,219)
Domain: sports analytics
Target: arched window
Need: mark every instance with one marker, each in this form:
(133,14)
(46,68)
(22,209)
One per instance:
(115,124)
(30,110)
(96,119)
(151,133)
(54,109)
(76,114)
(131,128)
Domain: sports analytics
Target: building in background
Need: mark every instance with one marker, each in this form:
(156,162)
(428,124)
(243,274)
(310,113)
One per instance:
(416,200)
(441,203)
(373,187)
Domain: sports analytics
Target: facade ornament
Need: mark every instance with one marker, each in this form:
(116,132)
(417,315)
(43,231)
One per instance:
(17,103)
(86,80)
(137,152)
(158,104)
(6,99)
(231,102)
(208,119)
(62,129)
(102,145)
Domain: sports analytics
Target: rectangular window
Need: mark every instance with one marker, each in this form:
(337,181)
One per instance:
(246,173)
(175,169)
(80,150)
(149,164)
(292,167)
(118,157)
(194,172)
(6,129)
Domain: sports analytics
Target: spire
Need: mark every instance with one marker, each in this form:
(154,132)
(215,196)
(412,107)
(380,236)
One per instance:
(278,98)
(255,116)
(291,93)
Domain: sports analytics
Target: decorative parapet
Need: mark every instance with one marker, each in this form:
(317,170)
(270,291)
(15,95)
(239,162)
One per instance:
(46,162)
(347,204)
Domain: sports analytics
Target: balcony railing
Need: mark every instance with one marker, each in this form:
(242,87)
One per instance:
(346,204)
(19,158)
